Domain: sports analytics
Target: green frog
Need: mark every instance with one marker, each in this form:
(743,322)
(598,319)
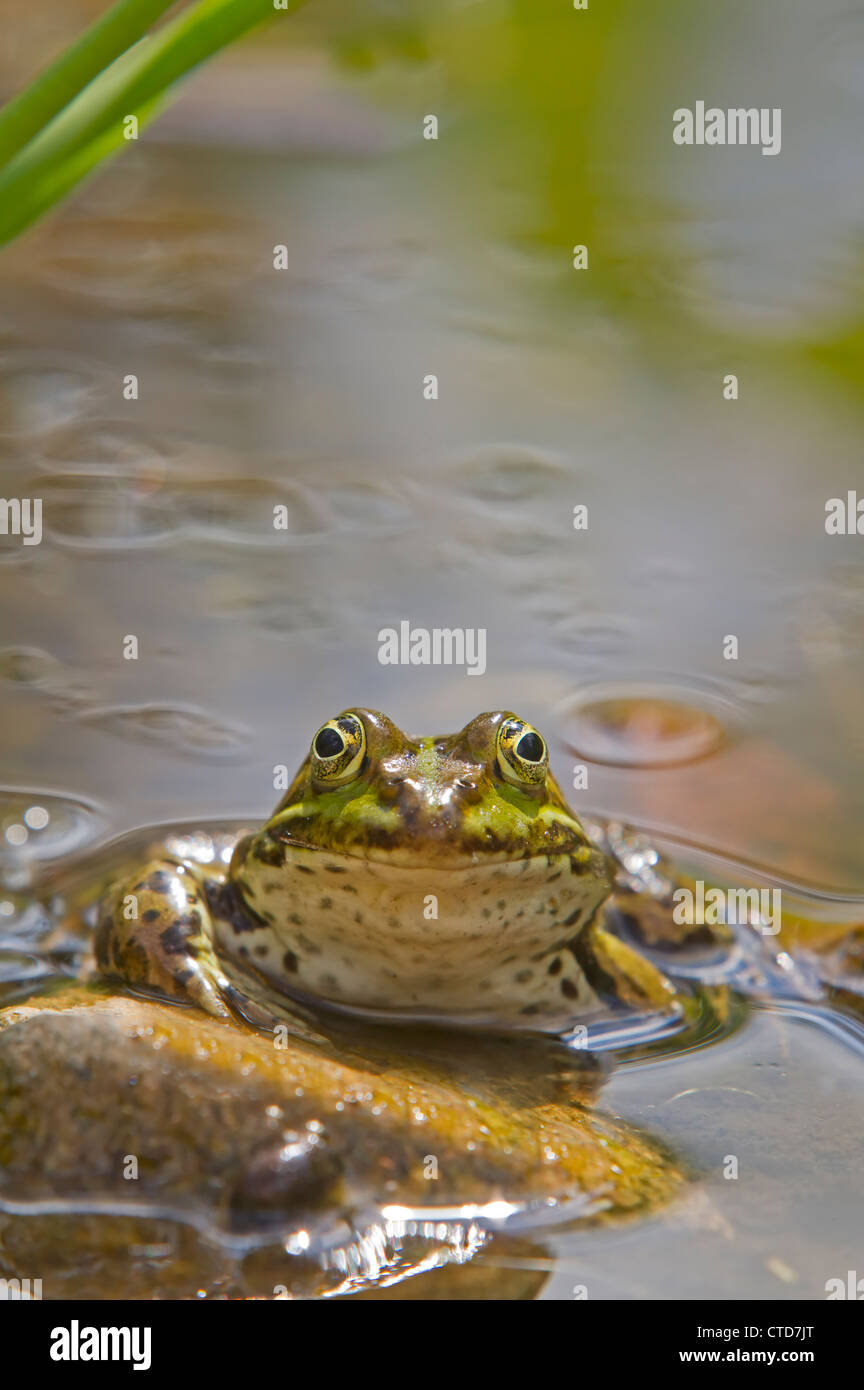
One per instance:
(436,879)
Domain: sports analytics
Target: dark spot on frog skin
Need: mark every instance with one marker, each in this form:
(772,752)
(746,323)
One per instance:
(530,1009)
(158,881)
(290,962)
(573,918)
(569,990)
(554,966)
(325,903)
(335,869)
(524,976)
(225,903)
(150,915)
(174,939)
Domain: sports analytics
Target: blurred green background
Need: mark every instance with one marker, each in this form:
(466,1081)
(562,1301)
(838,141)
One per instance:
(556,387)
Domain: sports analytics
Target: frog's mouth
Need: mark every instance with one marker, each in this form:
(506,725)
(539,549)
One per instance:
(585,857)
(434,844)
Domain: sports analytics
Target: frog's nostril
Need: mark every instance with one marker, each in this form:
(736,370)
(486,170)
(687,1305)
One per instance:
(469,789)
(389,791)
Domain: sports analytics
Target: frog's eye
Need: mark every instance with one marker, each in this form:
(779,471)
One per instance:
(338,750)
(523,757)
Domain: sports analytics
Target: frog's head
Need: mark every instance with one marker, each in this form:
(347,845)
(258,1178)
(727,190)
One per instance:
(417,873)
(483,795)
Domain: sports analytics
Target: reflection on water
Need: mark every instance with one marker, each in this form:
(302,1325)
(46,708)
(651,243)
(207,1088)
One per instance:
(303,390)
(641,730)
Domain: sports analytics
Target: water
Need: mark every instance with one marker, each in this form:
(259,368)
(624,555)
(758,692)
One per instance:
(557,388)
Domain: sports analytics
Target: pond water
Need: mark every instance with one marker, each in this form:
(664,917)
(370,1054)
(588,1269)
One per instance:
(557,388)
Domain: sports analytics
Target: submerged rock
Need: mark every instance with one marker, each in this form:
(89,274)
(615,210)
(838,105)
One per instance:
(148,1150)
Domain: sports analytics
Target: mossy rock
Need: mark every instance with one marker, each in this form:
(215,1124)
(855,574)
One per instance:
(238,1141)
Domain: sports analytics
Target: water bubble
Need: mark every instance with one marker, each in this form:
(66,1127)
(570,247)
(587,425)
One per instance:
(641,727)
(41,825)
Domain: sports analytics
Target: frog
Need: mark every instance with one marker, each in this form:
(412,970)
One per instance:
(437,879)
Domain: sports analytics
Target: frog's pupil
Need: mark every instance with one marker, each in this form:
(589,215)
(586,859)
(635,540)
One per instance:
(530,747)
(328,742)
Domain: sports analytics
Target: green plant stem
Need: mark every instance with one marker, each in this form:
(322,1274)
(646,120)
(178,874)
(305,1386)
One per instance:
(91,125)
(26,114)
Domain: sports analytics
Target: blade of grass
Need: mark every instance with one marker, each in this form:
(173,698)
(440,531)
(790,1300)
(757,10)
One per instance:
(56,180)
(26,114)
(38,177)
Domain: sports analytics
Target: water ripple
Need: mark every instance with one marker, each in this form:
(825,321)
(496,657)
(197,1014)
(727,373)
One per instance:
(187,731)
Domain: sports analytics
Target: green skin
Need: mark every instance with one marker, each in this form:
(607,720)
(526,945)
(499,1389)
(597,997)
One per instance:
(441,878)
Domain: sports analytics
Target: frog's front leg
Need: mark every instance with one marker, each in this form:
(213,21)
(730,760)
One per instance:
(155,932)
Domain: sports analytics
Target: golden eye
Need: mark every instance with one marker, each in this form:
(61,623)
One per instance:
(338,750)
(523,757)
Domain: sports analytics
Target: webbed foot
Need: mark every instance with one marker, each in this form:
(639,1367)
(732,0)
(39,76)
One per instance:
(155,932)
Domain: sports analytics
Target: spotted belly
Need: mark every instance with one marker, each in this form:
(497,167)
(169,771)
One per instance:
(485,944)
